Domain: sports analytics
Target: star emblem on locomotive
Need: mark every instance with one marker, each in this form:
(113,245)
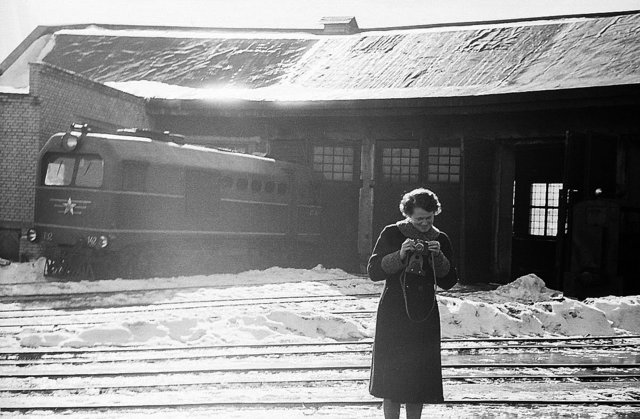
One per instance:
(69,206)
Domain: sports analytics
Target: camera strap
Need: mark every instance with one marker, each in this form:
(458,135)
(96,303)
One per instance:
(411,269)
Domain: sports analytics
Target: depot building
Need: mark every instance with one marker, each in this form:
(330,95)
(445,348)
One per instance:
(527,129)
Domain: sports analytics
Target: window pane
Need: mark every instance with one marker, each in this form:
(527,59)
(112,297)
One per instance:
(554,194)
(538,194)
(440,161)
(552,222)
(59,171)
(536,221)
(90,172)
(335,163)
(404,166)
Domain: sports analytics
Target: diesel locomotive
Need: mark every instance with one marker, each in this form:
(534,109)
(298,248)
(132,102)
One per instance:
(136,203)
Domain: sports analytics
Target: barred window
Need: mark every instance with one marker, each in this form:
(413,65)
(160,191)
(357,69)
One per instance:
(335,163)
(543,209)
(444,164)
(401,164)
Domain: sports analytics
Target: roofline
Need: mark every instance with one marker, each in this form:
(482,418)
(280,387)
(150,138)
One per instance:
(45,30)
(504,21)
(505,102)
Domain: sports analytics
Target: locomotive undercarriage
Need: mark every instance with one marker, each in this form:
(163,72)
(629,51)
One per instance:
(174,258)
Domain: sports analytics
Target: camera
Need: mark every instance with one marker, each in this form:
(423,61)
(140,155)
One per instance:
(421,246)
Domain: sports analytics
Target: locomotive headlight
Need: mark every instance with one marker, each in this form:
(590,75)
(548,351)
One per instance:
(72,138)
(70,141)
(103,242)
(32,235)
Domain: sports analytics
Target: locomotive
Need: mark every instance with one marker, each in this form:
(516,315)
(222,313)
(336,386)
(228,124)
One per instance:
(136,203)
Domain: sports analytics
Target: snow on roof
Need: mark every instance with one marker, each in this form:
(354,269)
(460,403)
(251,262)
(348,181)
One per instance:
(445,61)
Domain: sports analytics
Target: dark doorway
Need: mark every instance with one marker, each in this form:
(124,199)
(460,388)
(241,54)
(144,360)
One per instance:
(10,244)
(536,202)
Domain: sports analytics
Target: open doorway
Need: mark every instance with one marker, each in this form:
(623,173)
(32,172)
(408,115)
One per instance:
(536,202)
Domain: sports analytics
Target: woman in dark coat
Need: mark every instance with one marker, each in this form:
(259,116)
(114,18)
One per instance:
(406,352)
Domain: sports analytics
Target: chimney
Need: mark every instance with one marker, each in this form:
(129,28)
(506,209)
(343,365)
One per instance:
(339,25)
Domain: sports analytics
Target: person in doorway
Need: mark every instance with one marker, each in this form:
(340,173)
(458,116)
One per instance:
(412,256)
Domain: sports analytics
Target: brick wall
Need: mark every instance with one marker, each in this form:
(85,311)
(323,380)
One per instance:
(66,97)
(19,147)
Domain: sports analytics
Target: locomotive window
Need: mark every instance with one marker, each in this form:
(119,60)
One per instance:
(226,182)
(242,184)
(59,170)
(282,188)
(256,185)
(90,172)
(269,187)
(134,177)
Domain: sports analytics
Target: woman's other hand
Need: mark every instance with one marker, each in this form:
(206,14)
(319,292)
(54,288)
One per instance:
(434,246)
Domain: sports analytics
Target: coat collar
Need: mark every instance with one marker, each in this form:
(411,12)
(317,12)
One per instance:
(408,229)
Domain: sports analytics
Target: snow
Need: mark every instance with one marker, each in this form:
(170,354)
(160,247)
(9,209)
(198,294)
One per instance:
(16,78)
(279,305)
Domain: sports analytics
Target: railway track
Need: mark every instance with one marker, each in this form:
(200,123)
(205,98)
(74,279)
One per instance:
(315,377)
(7,297)
(173,305)
(211,352)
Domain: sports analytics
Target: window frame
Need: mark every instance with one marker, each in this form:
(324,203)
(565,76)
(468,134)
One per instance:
(414,176)
(51,157)
(336,176)
(547,208)
(437,152)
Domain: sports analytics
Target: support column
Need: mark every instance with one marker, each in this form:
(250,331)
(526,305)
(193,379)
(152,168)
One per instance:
(504,175)
(365,210)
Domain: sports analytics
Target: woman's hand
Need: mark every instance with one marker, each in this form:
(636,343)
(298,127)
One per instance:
(407,246)
(434,246)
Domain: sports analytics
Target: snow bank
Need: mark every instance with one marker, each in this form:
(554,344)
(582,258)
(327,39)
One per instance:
(28,278)
(524,307)
(19,273)
(622,312)
(271,327)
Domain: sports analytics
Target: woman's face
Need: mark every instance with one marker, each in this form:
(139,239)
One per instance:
(422,219)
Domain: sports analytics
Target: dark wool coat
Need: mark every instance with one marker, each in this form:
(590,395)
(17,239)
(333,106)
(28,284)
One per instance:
(406,364)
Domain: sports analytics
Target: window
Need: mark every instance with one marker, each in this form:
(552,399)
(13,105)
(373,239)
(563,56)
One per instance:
(335,163)
(59,170)
(282,188)
(269,187)
(256,185)
(226,182)
(242,184)
(444,164)
(90,172)
(543,209)
(401,164)
(134,177)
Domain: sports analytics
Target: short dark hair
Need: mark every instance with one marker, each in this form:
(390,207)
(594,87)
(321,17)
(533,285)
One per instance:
(420,198)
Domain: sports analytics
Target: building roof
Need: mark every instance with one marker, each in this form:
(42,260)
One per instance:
(429,62)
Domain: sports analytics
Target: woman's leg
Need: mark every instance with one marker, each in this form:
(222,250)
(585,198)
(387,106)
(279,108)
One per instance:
(414,410)
(391,409)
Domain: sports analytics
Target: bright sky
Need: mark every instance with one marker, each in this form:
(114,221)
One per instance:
(19,17)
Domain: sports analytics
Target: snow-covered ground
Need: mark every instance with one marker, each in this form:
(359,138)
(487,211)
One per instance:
(190,316)
(171,316)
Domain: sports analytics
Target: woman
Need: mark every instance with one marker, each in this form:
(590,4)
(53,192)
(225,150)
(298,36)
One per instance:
(406,352)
